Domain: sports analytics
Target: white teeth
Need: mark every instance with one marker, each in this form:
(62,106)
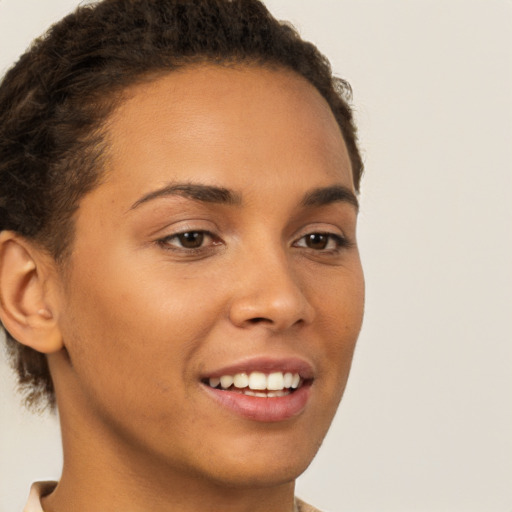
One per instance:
(277,382)
(226,381)
(272,394)
(257,380)
(255,393)
(241,380)
(214,382)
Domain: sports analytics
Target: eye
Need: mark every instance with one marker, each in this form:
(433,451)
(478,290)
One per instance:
(189,240)
(321,241)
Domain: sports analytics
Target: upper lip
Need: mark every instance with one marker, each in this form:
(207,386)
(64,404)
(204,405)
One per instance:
(266,365)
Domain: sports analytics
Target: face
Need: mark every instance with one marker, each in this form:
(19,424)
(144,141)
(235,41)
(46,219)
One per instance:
(214,293)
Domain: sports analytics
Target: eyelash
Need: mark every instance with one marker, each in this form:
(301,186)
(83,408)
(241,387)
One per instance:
(166,241)
(340,242)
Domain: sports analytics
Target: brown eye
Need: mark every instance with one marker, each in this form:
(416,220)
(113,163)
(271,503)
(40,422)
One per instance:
(190,243)
(191,239)
(317,241)
(322,242)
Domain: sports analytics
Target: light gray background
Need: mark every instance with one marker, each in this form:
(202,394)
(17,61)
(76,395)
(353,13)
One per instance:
(426,422)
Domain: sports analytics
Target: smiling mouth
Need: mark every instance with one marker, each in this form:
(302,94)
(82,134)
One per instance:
(258,384)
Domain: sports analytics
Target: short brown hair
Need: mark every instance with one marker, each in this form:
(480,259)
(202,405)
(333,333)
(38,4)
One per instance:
(55,99)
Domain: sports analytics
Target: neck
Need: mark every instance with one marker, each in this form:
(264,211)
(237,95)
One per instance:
(139,495)
(103,471)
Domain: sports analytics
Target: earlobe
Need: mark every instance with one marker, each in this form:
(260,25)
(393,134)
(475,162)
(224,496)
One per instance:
(24,302)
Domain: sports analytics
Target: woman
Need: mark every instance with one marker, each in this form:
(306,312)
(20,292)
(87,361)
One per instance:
(178,268)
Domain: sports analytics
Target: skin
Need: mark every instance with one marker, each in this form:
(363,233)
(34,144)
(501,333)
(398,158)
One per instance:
(142,319)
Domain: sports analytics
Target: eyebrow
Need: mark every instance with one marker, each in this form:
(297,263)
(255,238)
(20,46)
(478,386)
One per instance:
(327,195)
(195,191)
(219,195)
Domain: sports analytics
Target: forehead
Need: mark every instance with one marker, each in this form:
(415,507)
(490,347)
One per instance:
(225,123)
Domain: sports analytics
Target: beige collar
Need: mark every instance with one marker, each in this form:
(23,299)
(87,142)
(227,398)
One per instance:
(37,491)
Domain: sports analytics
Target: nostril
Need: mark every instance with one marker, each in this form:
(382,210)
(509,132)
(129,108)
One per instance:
(258,319)
(275,308)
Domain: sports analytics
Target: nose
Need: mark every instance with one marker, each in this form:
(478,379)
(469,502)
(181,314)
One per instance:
(269,293)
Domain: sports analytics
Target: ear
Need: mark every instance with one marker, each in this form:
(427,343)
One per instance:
(25,298)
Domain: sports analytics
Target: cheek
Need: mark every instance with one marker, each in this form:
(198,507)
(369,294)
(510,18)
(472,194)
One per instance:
(339,300)
(128,330)
(340,307)
(135,294)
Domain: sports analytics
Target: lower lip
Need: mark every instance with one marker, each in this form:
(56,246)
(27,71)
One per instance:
(262,409)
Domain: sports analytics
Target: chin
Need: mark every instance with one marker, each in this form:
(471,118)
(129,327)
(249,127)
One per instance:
(271,475)
(269,463)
